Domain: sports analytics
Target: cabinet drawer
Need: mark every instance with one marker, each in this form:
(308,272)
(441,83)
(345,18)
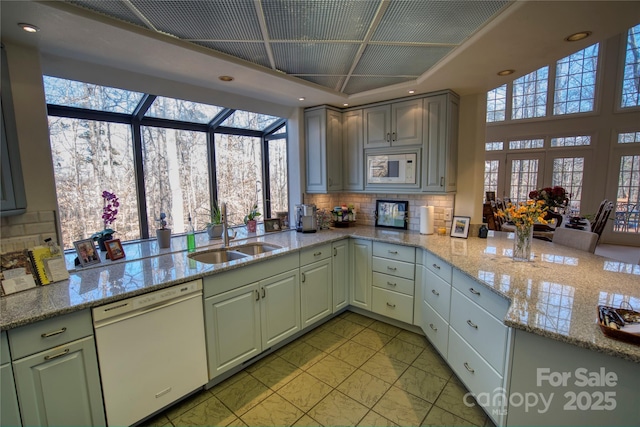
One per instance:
(437,293)
(482,331)
(481,295)
(439,267)
(435,328)
(392,304)
(474,372)
(397,252)
(394,268)
(49,333)
(393,283)
(314,254)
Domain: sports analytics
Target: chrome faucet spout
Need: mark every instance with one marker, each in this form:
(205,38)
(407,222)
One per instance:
(223,214)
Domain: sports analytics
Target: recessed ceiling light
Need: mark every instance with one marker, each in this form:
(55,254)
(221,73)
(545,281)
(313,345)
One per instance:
(578,36)
(345,105)
(226,78)
(505,72)
(412,91)
(28,27)
(301,98)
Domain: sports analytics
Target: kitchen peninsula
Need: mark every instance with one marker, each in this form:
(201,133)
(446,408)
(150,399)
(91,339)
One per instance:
(550,320)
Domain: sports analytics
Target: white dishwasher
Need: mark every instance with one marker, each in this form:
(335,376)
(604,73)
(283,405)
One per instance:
(151,351)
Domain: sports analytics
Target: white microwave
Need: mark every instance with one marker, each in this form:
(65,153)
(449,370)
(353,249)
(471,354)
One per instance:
(392,168)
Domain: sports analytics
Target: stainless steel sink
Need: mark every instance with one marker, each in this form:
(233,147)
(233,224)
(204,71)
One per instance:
(222,255)
(216,256)
(255,248)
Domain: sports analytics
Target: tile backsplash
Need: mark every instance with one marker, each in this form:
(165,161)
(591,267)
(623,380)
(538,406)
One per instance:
(365,205)
(27,230)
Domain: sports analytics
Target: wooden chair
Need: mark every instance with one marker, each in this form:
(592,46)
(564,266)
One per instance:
(598,226)
(583,240)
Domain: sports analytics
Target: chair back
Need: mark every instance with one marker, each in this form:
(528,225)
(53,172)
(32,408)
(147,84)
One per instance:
(599,225)
(577,239)
(598,214)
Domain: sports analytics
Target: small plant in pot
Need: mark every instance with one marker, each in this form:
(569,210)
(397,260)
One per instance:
(110,204)
(163,234)
(250,219)
(214,228)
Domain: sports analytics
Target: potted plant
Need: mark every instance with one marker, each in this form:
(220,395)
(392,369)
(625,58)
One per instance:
(110,204)
(250,219)
(214,228)
(163,234)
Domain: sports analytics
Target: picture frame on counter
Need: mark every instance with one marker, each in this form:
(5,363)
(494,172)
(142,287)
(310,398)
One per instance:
(460,226)
(272,225)
(114,249)
(87,252)
(392,214)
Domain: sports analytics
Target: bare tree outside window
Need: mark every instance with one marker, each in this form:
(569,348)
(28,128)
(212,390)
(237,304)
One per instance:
(631,79)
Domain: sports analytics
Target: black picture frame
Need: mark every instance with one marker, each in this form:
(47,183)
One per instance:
(460,226)
(392,214)
(272,225)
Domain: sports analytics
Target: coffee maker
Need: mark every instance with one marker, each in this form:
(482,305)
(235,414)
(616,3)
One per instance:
(306,220)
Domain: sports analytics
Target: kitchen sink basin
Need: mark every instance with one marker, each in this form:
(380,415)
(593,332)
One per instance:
(216,256)
(255,248)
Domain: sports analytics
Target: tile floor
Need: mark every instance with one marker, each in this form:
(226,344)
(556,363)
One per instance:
(351,371)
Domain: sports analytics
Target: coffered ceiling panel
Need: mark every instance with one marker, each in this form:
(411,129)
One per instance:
(362,84)
(252,52)
(398,60)
(314,58)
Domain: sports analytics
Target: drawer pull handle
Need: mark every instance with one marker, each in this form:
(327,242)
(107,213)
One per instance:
(304,278)
(473,291)
(163,392)
(466,365)
(393,252)
(392,284)
(433,291)
(257,295)
(391,305)
(433,327)
(473,325)
(335,251)
(317,253)
(391,268)
(53,356)
(264,292)
(436,266)
(54,333)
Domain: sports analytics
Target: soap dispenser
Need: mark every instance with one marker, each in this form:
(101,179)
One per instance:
(191,236)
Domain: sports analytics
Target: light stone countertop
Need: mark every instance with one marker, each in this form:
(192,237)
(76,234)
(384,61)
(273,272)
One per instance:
(555,296)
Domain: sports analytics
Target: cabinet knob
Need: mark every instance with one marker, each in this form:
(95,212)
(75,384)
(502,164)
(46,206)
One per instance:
(466,365)
(436,293)
(391,305)
(473,325)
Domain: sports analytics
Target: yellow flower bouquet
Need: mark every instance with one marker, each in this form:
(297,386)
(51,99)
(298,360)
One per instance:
(524,215)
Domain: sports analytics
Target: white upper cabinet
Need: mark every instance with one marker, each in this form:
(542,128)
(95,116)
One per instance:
(323,132)
(393,125)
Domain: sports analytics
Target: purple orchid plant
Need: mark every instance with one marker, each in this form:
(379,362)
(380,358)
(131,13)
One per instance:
(109,214)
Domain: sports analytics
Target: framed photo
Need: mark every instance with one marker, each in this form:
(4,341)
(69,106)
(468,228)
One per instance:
(87,253)
(392,213)
(271,225)
(460,226)
(114,249)
(490,196)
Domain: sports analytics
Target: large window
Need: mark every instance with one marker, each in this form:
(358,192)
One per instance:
(156,154)
(576,82)
(568,173)
(530,95)
(631,80)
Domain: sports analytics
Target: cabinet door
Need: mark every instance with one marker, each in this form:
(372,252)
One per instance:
(232,327)
(340,270)
(377,126)
(406,123)
(353,154)
(280,307)
(61,386)
(9,412)
(451,156)
(361,274)
(435,131)
(316,292)
(334,151)
(316,149)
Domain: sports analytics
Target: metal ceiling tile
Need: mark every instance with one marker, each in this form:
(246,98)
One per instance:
(252,52)
(330,82)
(435,21)
(208,20)
(398,60)
(318,20)
(360,84)
(112,8)
(314,58)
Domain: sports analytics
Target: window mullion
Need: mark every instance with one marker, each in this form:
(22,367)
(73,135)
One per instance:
(141,193)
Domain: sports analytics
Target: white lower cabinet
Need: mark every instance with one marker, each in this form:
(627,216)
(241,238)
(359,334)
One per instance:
(243,322)
(393,281)
(9,411)
(436,299)
(436,328)
(340,270)
(360,290)
(316,283)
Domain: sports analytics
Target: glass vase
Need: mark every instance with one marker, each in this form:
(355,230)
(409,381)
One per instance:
(522,244)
